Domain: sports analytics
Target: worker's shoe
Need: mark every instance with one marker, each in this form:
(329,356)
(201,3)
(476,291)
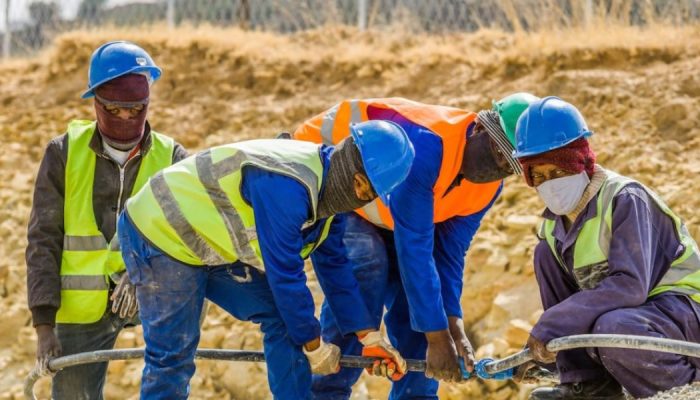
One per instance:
(607,389)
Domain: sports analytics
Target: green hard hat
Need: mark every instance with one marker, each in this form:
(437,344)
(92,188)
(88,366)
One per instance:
(509,109)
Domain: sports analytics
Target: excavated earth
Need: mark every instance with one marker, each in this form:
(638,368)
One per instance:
(640,92)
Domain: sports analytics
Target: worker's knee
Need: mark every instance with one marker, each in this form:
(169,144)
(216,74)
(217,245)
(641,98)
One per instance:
(621,321)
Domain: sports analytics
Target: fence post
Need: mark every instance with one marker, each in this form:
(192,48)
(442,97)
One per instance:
(588,13)
(170,13)
(7,37)
(362,14)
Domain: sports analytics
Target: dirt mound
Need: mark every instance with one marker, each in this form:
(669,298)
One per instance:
(638,89)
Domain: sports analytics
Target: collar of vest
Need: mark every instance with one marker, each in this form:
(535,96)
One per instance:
(146,141)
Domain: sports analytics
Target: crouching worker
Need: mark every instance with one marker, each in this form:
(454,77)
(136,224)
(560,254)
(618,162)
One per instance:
(613,259)
(234,224)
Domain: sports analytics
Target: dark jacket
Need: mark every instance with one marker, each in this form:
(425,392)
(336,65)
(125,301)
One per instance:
(45,231)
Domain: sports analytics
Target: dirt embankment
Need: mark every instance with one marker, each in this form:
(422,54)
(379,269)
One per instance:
(639,90)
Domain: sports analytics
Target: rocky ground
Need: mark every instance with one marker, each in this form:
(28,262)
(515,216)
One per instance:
(687,392)
(639,90)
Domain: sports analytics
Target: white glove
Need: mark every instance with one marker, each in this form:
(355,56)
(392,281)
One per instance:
(392,365)
(325,360)
(123,298)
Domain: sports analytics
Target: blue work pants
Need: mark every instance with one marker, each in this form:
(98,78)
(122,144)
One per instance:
(171,295)
(372,252)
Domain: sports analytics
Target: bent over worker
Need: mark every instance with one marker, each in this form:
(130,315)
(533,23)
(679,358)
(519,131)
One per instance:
(416,271)
(613,258)
(234,224)
(84,179)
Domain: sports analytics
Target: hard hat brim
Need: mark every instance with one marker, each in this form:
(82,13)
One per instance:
(154,71)
(548,147)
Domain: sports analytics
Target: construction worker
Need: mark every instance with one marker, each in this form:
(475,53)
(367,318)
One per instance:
(613,258)
(79,295)
(416,271)
(233,224)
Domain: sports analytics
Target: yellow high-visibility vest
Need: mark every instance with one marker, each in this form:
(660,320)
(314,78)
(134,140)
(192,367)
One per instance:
(593,244)
(87,259)
(194,211)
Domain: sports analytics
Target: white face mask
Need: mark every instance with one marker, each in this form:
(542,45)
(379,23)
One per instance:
(561,195)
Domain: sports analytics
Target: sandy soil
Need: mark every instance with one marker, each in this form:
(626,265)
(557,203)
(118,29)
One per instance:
(639,90)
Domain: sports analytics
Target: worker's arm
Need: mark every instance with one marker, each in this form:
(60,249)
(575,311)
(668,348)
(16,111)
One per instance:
(636,226)
(452,240)
(281,206)
(334,273)
(45,235)
(179,153)
(411,206)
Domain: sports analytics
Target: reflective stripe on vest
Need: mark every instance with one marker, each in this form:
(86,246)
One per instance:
(87,259)
(451,124)
(194,211)
(592,245)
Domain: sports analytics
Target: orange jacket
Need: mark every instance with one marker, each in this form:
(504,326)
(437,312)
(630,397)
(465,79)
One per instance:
(331,126)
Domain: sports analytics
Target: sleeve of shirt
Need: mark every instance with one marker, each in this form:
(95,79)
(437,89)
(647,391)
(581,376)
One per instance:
(412,210)
(179,153)
(334,273)
(45,236)
(281,206)
(629,275)
(452,240)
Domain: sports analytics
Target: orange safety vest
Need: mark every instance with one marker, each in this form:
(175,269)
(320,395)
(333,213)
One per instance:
(332,126)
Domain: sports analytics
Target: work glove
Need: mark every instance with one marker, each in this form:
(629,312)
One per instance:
(48,347)
(539,352)
(391,365)
(442,357)
(464,346)
(325,360)
(123,298)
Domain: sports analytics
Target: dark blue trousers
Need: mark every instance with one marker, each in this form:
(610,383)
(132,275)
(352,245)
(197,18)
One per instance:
(642,373)
(376,268)
(171,295)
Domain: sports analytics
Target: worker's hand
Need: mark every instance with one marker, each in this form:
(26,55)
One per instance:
(123,298)
(48,347)
(391,365)
(324,358)
(441,357)
(531,372)
(464,346)
(539,351)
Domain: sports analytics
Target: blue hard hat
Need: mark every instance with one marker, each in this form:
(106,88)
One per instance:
(547,124)
(387,154)
(114,59)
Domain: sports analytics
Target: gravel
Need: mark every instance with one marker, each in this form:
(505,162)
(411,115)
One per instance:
(687,392)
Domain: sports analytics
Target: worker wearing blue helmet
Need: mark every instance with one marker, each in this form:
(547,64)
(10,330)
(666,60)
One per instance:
(613,258)
(233,224)
(79,296)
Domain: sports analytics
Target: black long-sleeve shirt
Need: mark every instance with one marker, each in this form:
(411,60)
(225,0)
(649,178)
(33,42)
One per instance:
(45,231)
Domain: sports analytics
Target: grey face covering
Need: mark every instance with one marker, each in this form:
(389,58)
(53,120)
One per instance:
(338,194)
(489,119)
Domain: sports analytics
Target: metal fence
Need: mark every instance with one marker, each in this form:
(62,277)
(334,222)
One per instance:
(28,25)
